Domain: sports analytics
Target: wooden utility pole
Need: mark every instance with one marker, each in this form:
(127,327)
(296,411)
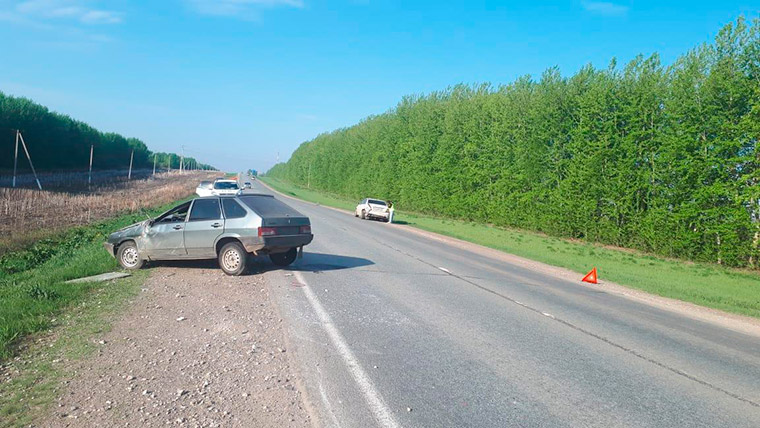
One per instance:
(15,159)
(23,144)
(89,176)
(131,156)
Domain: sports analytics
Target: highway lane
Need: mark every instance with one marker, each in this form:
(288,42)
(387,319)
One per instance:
(394,329)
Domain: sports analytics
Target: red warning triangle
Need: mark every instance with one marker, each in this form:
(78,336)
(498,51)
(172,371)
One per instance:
(590,277)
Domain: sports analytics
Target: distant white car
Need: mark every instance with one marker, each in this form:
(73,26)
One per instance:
(370,208)
(247,185)
(225,187)
(204,189)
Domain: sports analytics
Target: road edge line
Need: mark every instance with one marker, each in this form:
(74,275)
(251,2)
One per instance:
(377,405)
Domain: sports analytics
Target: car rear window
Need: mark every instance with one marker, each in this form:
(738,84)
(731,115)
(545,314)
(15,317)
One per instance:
(232,209)
(205,209)
(267,206)
(221,185)
(376,202)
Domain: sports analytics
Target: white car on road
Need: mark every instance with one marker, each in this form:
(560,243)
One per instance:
(370,208)
(225,187)
(204,189)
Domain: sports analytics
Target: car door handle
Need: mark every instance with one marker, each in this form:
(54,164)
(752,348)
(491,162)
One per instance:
(177,227)
(216,225)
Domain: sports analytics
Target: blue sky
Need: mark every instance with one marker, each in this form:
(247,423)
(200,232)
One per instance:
(237,81)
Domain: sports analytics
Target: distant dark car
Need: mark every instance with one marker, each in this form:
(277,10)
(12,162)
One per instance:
(227,228)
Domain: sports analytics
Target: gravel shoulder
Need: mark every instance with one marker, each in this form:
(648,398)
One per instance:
(196,348)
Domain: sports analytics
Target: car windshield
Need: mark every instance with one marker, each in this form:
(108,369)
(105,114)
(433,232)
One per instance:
(225,185)
(377,202)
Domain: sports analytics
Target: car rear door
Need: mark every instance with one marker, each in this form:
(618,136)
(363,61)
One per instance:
(204,225)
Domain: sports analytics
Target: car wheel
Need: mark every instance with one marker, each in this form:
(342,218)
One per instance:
(128,256)
(284,259)
(364,215)
(233,258)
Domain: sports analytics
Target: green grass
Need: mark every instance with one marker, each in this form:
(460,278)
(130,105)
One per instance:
(32,288)
(45,323)
(708,285)
(30,392)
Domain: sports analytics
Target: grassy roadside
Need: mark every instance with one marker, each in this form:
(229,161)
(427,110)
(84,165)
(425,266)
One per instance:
(703,284)
(45,323)
(33,381)
(32,288)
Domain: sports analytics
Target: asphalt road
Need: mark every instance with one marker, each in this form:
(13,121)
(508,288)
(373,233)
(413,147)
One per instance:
(393,329)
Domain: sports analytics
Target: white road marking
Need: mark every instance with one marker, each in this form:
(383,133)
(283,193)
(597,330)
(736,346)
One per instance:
(375,401)
(547,315)
(444,269)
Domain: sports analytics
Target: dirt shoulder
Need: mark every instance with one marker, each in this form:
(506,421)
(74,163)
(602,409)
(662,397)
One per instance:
(195,348)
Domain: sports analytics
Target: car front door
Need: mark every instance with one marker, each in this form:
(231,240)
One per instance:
(165,239)
(203,226)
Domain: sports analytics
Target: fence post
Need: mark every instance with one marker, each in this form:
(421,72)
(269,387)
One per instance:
(154,164)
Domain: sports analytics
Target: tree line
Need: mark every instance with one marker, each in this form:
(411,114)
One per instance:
(659,158)
(57,142)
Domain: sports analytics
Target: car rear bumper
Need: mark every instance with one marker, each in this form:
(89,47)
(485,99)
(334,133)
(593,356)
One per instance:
(375,214)
(278,244)
(275,244)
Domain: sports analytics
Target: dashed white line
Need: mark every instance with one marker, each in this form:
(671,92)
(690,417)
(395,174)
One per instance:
(375,401)
(444,269)
(547,315)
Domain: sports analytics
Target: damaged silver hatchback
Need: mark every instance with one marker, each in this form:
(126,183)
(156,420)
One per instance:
(228,228)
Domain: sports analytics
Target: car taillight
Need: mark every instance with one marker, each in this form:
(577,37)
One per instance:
(267,231)
(305,229)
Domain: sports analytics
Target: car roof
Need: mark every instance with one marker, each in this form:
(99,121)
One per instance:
(234,196)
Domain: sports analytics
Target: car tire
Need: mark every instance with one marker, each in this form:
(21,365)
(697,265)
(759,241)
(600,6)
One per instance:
(284,259)
(233,259)
(364,215)
(128,256)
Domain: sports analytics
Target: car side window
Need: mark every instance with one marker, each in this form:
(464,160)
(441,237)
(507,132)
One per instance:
(232,209)
(205,209)
(175,215)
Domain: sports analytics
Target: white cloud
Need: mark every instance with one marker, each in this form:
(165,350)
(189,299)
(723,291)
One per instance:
(239,8)
(100,17)
(605,8)
(59,11)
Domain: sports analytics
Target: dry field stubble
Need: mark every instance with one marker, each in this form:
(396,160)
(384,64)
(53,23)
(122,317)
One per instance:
(29,214)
